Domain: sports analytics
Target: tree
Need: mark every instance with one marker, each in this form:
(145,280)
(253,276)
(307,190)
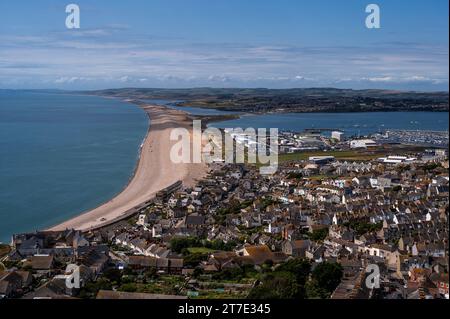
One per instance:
(313,291)
(363,227)
(177,244)
(192,260)
(92,288)
(197,272)
(229,274)
(113,275)
(150,274)
(327,276)
(319,234)
(277,285)
(128,287)
(301,268)
(268,263)
(220,245)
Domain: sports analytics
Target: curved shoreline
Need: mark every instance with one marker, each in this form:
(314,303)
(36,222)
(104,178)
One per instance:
(152,173)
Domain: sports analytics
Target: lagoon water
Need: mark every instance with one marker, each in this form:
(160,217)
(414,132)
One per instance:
(61,155)
(353,124)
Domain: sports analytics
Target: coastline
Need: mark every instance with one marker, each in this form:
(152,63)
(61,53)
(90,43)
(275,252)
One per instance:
(118,207)
(152,173)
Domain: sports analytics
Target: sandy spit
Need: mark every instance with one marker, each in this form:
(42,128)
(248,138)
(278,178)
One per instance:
(154,171)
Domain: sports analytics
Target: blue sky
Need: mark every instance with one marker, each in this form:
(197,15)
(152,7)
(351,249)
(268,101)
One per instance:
(224,43)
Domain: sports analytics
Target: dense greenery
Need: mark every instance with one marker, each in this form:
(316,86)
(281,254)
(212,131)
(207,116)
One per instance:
(267,202)
(328,275)
(129,287)
(294,280)
(129,280)
(236,274)
(277,285)
(93,287)
(285,282)
(192,260)
(178,244)
(362,227)
(324,280)
(319,234)
(181,244)
(234,207)
(299,267)
(114,275)
(196,250)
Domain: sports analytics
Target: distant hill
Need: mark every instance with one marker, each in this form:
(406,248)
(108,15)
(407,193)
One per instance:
(292,100)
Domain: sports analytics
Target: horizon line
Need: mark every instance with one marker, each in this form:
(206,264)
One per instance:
(226,88)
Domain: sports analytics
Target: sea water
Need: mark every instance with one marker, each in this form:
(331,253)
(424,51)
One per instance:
(63,154)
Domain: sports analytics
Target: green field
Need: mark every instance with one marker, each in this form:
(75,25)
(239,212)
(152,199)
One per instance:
(341,155)
(353,156)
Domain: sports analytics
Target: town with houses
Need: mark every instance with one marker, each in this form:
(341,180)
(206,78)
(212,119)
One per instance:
(341,219)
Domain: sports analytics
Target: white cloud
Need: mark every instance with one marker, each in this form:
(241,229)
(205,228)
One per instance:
(124,79)
(100,56)
(72,79)
(379,79)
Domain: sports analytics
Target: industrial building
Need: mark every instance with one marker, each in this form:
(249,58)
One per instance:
(365,143)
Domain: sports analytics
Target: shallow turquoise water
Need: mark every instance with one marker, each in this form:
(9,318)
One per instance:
(61,155)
